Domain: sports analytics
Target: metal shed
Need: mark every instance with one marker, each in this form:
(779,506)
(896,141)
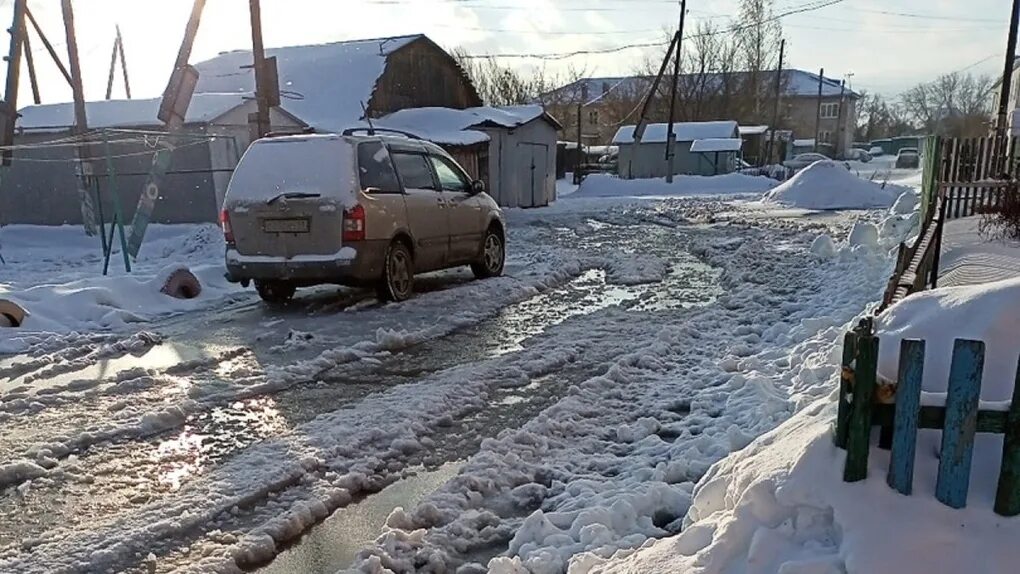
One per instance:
(521,154)
(647,159)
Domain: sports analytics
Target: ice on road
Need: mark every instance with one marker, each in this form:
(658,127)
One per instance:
(630,345)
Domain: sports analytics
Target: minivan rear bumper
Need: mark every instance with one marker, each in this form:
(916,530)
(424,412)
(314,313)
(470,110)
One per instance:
(354,265)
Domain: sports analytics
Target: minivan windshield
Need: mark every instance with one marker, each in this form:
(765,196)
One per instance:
(274,169)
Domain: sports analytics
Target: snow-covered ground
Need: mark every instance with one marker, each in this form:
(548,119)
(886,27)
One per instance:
(55,273)
(632,344)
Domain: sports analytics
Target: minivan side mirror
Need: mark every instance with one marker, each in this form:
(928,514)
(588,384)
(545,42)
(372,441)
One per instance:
(477,186)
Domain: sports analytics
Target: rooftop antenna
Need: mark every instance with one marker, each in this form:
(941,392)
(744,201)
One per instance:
(371,128)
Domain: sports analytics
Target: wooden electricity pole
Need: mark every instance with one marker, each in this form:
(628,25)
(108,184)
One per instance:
(1001,127)
(775,112)
(30,63)
(670,143)
(10,104)
(818,114)
(262,89)
(840,150)
(118,52)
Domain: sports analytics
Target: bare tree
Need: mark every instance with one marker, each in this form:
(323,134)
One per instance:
(501,85)
(954,105)
(878,118)
(758,36)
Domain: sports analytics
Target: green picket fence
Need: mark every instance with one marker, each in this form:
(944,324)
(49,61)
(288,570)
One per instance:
(900,418)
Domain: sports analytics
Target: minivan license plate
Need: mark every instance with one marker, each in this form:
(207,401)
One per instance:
(285,225)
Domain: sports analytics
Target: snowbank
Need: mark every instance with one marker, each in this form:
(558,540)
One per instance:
(110,302)
(55,273)
(602,185)
(989,312)
(828,185)
(781,506)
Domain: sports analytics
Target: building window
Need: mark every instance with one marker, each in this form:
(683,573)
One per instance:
(593,117)
(830,111)
(825,136)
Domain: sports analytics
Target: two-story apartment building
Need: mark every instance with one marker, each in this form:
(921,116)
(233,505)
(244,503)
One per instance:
(608,103)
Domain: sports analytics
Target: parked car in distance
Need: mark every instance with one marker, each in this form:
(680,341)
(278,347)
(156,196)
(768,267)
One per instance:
(876,151)
(355,209)
(802,160)
(908,157)
(858,155)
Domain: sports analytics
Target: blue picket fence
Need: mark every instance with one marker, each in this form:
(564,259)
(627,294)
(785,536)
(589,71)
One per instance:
(901,415)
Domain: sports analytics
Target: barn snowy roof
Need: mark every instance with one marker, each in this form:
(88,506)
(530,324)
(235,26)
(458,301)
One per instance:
(123,113)
(716,144)
(324,84)
(684,132)
(450,126)
(797,83)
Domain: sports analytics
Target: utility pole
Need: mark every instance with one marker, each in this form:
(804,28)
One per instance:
(30,62)
(123,63)
(775,112)
(639,128)
(818,114)
(10,103)
(580,152)
(118,51)
(81,127)
(259,53)
(1001,129)
(840,149)
(670,143)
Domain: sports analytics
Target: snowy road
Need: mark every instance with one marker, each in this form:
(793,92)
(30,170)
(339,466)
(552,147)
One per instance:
(210,441)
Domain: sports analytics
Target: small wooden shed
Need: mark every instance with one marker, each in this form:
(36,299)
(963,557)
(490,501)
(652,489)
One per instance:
(647,159)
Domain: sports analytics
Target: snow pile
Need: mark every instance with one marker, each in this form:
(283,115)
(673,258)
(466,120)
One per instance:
(55,273)
(110,302)
(601,185)
(988,312)
(781,506)
(828,185)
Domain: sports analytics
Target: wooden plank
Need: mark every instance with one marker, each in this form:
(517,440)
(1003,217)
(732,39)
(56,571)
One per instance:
(845,388)
(907,411)
(859,434)
(989,422)
(1007,495)
(961,422)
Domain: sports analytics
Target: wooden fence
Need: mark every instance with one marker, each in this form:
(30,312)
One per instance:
(865,402)
(974,174)
(917,265)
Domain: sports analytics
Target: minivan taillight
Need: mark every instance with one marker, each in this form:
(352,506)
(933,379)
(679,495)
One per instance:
(354,224)
(228,233)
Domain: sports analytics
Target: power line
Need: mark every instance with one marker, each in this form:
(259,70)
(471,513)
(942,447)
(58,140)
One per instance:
(808,7)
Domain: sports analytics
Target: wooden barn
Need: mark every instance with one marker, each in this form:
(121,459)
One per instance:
(330,86)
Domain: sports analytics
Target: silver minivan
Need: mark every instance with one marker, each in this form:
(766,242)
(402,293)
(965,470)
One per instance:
(355,209)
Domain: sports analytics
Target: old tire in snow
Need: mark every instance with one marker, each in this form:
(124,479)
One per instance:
(11,314)
(493,255)
(275,292)
(181,284)
(398,273)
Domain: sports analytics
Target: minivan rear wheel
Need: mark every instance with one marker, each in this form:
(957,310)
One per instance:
(275,292)
(398,273)
(493,255)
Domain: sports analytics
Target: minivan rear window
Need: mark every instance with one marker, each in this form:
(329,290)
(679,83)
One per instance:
(376,169)
(315,165)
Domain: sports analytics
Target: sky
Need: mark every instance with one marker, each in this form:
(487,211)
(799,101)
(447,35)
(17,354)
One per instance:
(882,46)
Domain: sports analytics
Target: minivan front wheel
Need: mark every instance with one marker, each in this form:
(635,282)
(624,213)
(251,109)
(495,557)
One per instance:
(275,292)
(493,255)
(398,273)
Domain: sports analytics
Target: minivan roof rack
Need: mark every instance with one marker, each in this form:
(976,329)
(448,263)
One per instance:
(371,131)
